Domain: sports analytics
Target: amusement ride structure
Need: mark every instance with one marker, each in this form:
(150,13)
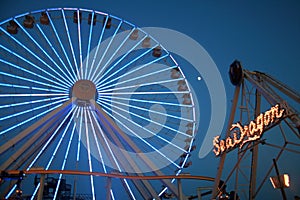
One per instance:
(93,107)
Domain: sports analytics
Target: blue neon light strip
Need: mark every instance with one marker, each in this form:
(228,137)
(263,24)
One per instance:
(89,153)
(65,158)
(89,46)
(97,142)
(104,54)
(148,110)
(79,43)
(152,121)
(113,156)
(30,64)
(57,146)
(142,84)
(60,59)
(31,95)
(49,57)
(143,140)
(79,136)
(112,56)
(28,120)
(137,77)
(25,79)
(99,86)
(70,43)
(97,49)
(29,102)
(123,67)
(31,110)
(142,93)
(61,45)
(30,72)
(28,87)
(145,101)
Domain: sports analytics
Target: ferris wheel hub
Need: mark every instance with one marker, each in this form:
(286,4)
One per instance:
(84,91)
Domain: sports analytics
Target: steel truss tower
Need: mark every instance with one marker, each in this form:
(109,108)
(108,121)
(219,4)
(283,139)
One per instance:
(249,171)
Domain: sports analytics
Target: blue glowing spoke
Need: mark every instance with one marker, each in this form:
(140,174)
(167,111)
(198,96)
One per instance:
(79,135)
(60,59)
(70,43)
(29,87)
(112,154)
(35,66)
(141,85)
(130,72)
(148,110)
(107,47)
(25,79)
(31,110)
(100,81)
(61,45)
(28,120)
(33,95)
(65,159)
(79,43)
(112,56)
(143,140)
(48,141)
(61,138)
(135,78)
(89,153)
(30,102)
(49,57)
(97,49)
(144,93)
(97,142)
(147,101)
(144,118)
(11,191)
(149,131)
(89,46)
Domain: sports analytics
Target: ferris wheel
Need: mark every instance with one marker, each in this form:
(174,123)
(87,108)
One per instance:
(85,90)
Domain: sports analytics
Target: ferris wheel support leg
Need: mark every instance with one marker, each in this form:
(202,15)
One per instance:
(252,186)
(215,191)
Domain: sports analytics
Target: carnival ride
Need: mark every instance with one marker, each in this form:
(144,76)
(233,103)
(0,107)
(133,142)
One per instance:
(267,131)
(89,101)
(87,91)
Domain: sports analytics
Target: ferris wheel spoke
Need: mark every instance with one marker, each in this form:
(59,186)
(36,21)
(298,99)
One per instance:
(143,140)
(29,87)
(29,119)
(137,85)
(92,69)
(31,110)
(106,49)
(89,154)
(162,102)
(37,75)
(48,56)
(70,42)
(152,121)
(70,77)
(100,81)
(145,93)
(113,158)
(124,56)
(55,150)
(79,43)
(30,102)
(135,78)
(129,72)
(62,46)
(148,110)
(89,46)
(112,56)
(28,80)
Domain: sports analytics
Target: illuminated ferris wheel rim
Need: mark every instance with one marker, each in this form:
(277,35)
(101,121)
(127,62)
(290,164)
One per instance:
(80,87)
